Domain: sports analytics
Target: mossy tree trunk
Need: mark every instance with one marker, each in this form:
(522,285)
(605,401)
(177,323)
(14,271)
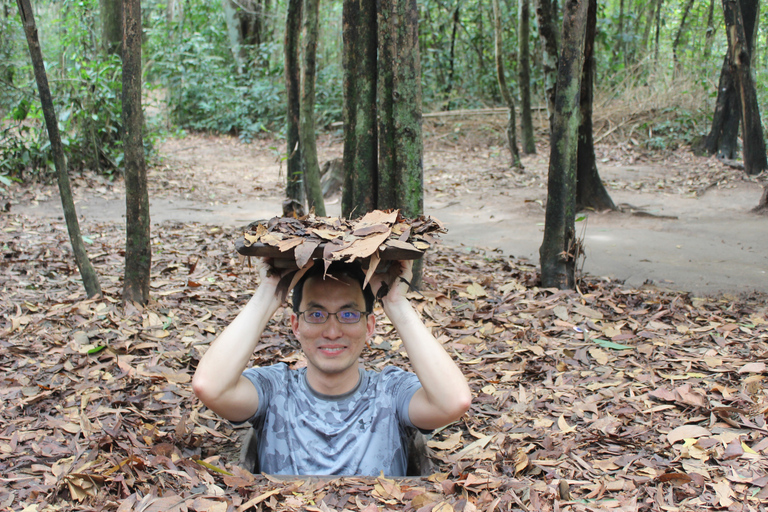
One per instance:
(739,51)
(294,187)
(111,12)
(401,168)
(138,251)
(90,280)
(360,191)
(508,99)
(590,191)
(560,248)
(546,18)
(307,115)
(524,75)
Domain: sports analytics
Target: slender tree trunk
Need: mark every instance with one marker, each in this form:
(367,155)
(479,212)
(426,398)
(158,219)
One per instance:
(619,48)
(649,7)
(560,248)
(545,16)
(294,187)
(359,193)
(523,36)
(307,119)
(401,168)
(739,51)
(449,88)
(658,30)
(679,34)
(508,99)
(138,251)
(111,12)
(90,280)
(710,35)
(590,191)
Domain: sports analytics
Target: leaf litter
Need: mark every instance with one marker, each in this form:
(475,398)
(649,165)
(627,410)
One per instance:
(604,398)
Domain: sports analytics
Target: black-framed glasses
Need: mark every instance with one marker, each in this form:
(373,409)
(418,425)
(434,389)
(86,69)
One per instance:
(344,316)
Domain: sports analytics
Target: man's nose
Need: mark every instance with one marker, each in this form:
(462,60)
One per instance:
(332,328)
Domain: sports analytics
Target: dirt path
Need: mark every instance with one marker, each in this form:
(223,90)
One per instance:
(671,238)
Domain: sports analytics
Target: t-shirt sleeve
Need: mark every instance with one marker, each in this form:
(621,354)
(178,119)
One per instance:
(401,385)
(265,380)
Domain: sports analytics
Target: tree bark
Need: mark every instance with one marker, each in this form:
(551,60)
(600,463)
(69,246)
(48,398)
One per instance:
(523,36)
(294,187)
(739,56)
(359,193)
(710,34)
(111,12)
(679,34)
(658,30)
(590,191)
(508,99)
(90,280)
(560,248)
(762,207)
(449,87)
(401,168)
(723,136)
(545,17)
(307,118)
(138,251)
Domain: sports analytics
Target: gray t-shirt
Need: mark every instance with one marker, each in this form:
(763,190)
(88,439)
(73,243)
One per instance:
(302,432)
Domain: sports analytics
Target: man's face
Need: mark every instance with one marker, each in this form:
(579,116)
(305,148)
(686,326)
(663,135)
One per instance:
(332,347)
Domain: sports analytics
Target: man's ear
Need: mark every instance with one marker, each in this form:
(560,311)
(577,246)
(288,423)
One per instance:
(370,325)
(295,323)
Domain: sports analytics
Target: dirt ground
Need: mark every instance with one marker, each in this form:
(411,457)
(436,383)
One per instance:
(687,223)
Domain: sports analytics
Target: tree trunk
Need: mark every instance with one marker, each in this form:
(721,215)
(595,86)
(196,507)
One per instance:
(523,36)
(710,35)
(307,118)
(762,207)
(90,280)
(294,186)
(233,32)
(679,34)
(658,30)
(545,17)
(508,99)
(138,251)
(449,88)
(590,191)
(739,56)
(401,168)
(723,136)
(111,25)
(560,248)
(359,193)
(619,48)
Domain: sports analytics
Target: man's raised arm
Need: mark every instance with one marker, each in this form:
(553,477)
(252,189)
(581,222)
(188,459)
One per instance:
(445,395)
(218,380)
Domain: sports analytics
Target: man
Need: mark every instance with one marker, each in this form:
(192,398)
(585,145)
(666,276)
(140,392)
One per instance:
(332,417)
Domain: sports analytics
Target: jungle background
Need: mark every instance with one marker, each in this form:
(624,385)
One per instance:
(640,389)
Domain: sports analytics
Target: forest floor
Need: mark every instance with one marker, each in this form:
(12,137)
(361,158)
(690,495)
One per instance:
(642,390)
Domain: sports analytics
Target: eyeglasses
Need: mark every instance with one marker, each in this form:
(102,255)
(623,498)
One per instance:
(345,316)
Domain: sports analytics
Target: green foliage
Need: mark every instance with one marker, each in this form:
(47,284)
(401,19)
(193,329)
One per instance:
(204,91)
(86,87)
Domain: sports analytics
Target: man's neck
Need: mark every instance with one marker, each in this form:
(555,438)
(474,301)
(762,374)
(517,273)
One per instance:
(333,384)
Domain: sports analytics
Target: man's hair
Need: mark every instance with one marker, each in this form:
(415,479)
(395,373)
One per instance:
(336,269)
